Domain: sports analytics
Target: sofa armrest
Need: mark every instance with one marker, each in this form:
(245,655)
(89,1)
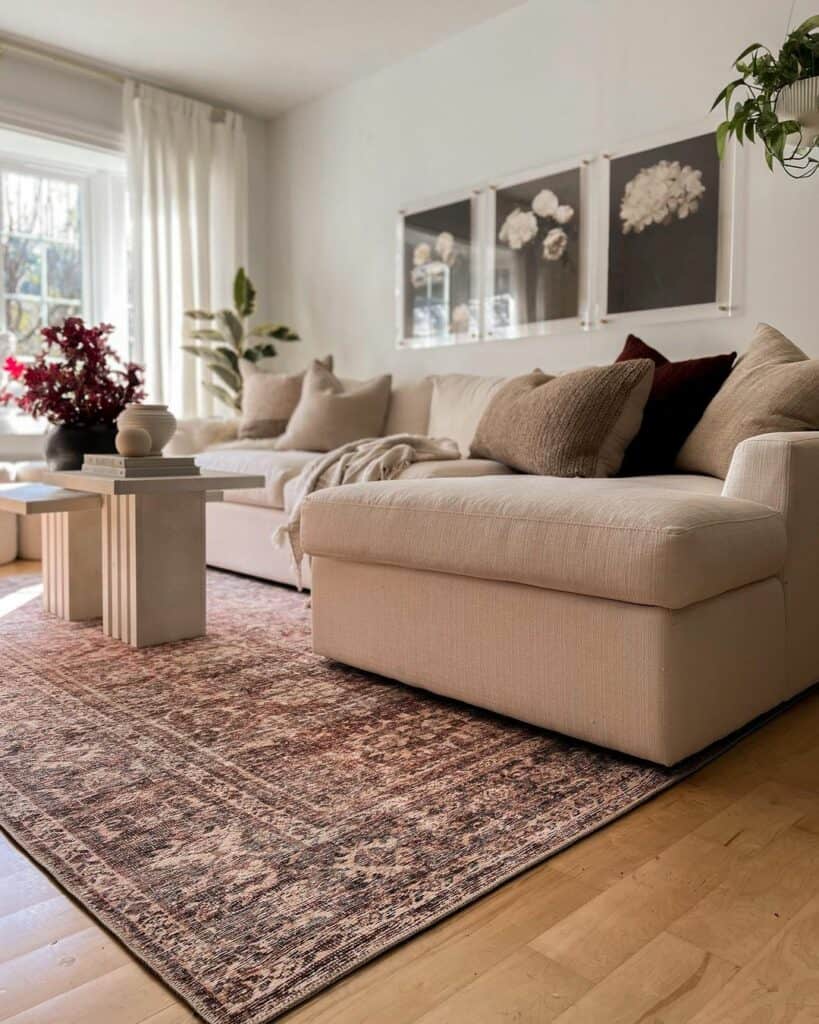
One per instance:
(782,471)
(196,434)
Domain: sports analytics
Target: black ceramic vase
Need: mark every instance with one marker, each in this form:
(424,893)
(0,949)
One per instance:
(66,447)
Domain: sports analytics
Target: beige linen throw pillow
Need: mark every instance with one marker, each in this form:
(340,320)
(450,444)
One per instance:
(269,399)
(774,386)
(577,424)
(331,413)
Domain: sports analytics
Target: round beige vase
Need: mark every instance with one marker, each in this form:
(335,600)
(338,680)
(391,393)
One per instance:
(155,419)
(799,101)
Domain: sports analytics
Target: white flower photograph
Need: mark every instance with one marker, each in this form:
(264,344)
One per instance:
(438,275)
(537,252)
(663,226)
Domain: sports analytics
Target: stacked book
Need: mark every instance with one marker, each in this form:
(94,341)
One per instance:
(128,468)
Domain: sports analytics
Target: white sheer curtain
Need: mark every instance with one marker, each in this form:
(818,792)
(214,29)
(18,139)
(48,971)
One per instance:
(187,181)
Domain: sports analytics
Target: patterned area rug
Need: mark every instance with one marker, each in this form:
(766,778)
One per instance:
(255,822)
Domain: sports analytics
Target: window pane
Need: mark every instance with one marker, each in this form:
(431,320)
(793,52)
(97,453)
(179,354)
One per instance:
(64,272)
(22,203)
(58,311)
(23,321)
(61,211)
(48,207)
(22,271)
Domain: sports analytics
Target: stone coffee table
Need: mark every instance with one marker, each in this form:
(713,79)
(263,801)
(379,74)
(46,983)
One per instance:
(131,550)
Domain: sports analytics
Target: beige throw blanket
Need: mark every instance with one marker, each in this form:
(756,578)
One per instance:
(376,458)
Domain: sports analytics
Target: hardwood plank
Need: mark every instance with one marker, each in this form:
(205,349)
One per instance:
(40,924)
(23,888)
(595,939)
(414,978)
(755,820)
(666,982)
(610,854)
(780,985)
(12,860)
(177,1014)
(50,970)
(524,987)
(127,995)
(20,568)
(765,891)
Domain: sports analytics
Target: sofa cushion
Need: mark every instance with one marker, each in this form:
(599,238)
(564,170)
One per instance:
(627,539)
(409,408)
(276,468)
(774,387)
(269,399)
(577,424)
(680,394)
(457,404)
(331,413)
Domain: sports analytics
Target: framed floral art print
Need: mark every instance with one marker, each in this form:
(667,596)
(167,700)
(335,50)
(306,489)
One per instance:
(536,265)
(438,293)
(668,230)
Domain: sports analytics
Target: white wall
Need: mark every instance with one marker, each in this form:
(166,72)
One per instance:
(41,94)
(539,84)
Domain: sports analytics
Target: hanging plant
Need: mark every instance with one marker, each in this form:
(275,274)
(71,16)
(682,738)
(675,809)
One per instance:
(768,113)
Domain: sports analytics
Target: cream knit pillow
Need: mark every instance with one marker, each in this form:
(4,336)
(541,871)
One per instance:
(773,387)
(331,413)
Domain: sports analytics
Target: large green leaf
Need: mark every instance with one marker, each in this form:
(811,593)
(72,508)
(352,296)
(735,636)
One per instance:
(722,135)
(198,350)
(208,334)
(229,355)
(244,294)
(748,49)
(233,401)
(232,325)
(272,330)
(227,375)
(807,26)
(266,350)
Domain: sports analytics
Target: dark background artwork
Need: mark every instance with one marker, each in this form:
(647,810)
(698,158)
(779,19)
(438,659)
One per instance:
(441,285)
(665,264)
(528,288)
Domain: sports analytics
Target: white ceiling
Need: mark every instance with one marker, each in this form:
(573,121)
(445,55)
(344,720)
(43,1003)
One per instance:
(261,56)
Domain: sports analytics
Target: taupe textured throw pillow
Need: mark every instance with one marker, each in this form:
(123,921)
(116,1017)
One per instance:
(331,413)
(269,399)
(774,386)
(577,424)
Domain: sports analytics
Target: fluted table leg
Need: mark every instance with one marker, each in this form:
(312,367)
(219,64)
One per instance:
(153,567)
(72,584)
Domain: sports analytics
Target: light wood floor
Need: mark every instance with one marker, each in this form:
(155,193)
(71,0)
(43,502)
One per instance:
(700,907)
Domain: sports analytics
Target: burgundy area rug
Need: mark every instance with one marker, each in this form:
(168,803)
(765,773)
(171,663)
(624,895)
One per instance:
(255,822)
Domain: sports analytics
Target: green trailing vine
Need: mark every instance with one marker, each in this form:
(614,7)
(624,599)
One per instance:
(763,76)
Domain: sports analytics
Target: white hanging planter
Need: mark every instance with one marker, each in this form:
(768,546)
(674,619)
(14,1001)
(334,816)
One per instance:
(799,101)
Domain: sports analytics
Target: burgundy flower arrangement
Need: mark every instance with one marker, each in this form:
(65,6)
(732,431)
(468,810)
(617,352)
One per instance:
(77,380)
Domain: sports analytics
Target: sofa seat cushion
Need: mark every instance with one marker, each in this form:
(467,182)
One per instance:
(276,468)
(629,540)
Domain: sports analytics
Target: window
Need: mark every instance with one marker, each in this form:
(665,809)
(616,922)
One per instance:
(42,253)
(62,244)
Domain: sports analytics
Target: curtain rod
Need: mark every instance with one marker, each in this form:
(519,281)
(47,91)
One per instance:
(56,58)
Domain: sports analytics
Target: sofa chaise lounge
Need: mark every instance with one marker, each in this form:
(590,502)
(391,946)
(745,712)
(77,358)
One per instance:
(653,614)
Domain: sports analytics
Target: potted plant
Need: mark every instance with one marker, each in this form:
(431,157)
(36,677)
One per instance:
(225,345)
(781,104)
(79,385)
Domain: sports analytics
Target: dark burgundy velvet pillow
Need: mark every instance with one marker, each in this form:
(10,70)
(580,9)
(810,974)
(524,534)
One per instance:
(679,395)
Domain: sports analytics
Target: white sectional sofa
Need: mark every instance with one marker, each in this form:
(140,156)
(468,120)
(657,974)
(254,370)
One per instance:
(653,615)
(240,529)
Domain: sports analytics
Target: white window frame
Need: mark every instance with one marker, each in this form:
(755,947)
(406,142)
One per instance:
(103,224)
